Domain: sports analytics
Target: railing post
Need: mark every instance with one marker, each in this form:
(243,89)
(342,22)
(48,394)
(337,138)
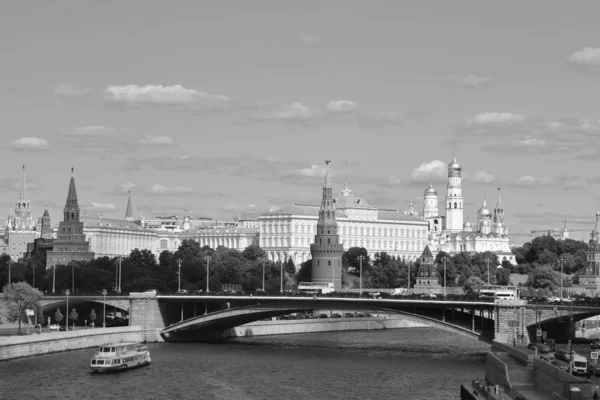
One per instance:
(473,320)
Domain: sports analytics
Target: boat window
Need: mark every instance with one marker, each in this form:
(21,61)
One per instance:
(93,362)
(100,362)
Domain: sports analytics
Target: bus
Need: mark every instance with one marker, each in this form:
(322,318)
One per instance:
(498,292)
(315,287)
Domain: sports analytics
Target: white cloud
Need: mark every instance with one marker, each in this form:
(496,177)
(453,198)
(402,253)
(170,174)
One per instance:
(102,206)
(471,81)
(313,170)
(290,112)
(69,90)
(435,170)
(160,189)
(162,95)
(341,106)
(530,181)
(587,57)
(495,118)
(30,143)
(91,130)
(530,142)
(309,39)
(158,140)
(483,177)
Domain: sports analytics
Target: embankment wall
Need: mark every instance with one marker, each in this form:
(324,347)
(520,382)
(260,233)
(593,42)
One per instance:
(32,345)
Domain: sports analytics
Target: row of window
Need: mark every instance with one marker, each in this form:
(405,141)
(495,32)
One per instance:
(362,231)
(368,243)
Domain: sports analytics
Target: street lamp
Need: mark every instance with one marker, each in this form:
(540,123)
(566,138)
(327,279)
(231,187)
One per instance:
(487,260)
(73,277)
(179,276)
(561,260)
(360,259)
(281,275)
(53,276)
(9,265)
(263,263)
(120,273)
(445,282)
(207,271)
(67,314)
(408,280)
(104,310)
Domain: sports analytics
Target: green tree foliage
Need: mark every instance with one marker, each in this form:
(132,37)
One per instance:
(451,272)
(305,272)
(290,267)
(20,297)
(73,315)
(472,285)
(165,258)
(503,276)
(58,316)
(253,252)
(544,277)
(351,261)
(546,250)
(93,316)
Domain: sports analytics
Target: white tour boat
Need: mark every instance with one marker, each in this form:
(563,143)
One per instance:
(120,356)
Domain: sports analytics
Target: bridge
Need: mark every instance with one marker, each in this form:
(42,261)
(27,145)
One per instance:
(172,317)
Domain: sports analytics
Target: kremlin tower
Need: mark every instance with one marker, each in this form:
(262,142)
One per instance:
(326,251)
(454,199)
(21,227)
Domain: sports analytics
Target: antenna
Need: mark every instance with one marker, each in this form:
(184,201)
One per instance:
(346,177)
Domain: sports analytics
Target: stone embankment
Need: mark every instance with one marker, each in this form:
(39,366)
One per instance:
(286,327)
(51,342)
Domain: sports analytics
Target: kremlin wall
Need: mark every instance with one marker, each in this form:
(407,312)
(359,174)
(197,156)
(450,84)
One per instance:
(282,233)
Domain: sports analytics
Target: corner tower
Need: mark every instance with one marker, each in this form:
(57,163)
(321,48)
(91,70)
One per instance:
(454,199)
(326,251)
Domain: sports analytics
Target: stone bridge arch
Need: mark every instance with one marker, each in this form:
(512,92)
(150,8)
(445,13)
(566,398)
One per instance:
(49,305)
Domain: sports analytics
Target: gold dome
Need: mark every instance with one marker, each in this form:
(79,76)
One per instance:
(431,190)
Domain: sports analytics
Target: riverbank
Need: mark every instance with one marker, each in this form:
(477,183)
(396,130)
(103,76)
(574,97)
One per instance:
(12,347)
(287,327)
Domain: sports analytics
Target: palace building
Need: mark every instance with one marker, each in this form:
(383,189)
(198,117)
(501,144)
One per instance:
(450,234)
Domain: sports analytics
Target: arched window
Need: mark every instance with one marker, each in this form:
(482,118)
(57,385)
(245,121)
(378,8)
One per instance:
(328,241)
(454,204)
(329,262)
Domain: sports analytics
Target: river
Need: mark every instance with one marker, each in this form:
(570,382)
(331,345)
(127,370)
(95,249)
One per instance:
(410,363)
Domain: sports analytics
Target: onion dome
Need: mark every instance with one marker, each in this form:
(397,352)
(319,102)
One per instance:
(484,212)
(467,225)
(431,190)
(485,222)
(498,226)
(454,165)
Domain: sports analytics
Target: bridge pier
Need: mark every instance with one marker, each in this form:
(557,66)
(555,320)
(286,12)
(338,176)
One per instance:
(146,312)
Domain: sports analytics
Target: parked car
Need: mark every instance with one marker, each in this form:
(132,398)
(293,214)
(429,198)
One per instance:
(182,291)
(561,354)
(153,291)
(348,315)
(54,327)
(595,344)
(553,299)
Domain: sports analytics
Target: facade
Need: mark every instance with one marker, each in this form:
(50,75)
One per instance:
(589,278)
(45,242)
(488,234)
(427,279)
(70,244)
(326,251)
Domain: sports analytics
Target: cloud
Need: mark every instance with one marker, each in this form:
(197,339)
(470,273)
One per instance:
(157,140)
(157,189)
(483,177)
(309,39)
(342,106)
(91,130)
(30,144)
(120,190)
(471,81)
(69,90)
(434,171)
(289,112)
(587,59)
(495,118)
(557,182)
(101,207)
(160,95)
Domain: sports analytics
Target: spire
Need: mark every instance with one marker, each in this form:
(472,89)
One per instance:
(499,201)
(46,213)
(72,195)
(129,212)
(484,200)
(23,187)
(346,177)
(327,181)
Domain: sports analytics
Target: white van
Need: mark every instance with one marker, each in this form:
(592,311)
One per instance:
(580,365)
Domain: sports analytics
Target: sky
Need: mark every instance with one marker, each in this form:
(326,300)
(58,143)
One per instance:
(208,108)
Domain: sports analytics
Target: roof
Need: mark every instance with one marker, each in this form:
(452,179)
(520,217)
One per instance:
(249,216)
(426,252)
(111,223)
(397,216)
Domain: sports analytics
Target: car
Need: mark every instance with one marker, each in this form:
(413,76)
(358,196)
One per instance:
(348,315)
(182,291)
(553,299)
(561,354)
(53,327)
(110,315)
(595,344)
(568,300)
(428,296)
(152,291)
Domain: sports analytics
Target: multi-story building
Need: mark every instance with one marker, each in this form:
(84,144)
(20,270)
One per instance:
(288,231)
(70,244)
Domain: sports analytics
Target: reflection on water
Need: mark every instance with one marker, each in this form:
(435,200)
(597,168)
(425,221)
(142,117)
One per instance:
(412,363)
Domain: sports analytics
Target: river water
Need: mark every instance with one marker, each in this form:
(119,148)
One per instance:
(410,363)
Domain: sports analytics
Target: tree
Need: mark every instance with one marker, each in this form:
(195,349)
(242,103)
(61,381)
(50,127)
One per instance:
(20,297)
(305,272)
(253,252)
(289,267)
(165,258)
(503,276)
(451,272)
(143,257)
(93,317)
(73,316)
(544,277)
(58,316)
(350,258)
(472,285)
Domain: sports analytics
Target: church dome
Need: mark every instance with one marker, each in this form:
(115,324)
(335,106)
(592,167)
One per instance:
(498,225)
(431,190)
(454,165)
(485,222)
(467,225)
(484,211)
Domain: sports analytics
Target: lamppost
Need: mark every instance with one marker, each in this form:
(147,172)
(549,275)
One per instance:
(73,277)
(179,276)
(561,261)
(360,259)
(445,282)
(408,280)
(281,275)
(487,260)
(207,271)
(263,263)
(9,265)
(67,314)
(53,276)
(104,310)
(120,274)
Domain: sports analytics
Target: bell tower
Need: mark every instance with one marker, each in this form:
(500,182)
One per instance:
(454,199)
